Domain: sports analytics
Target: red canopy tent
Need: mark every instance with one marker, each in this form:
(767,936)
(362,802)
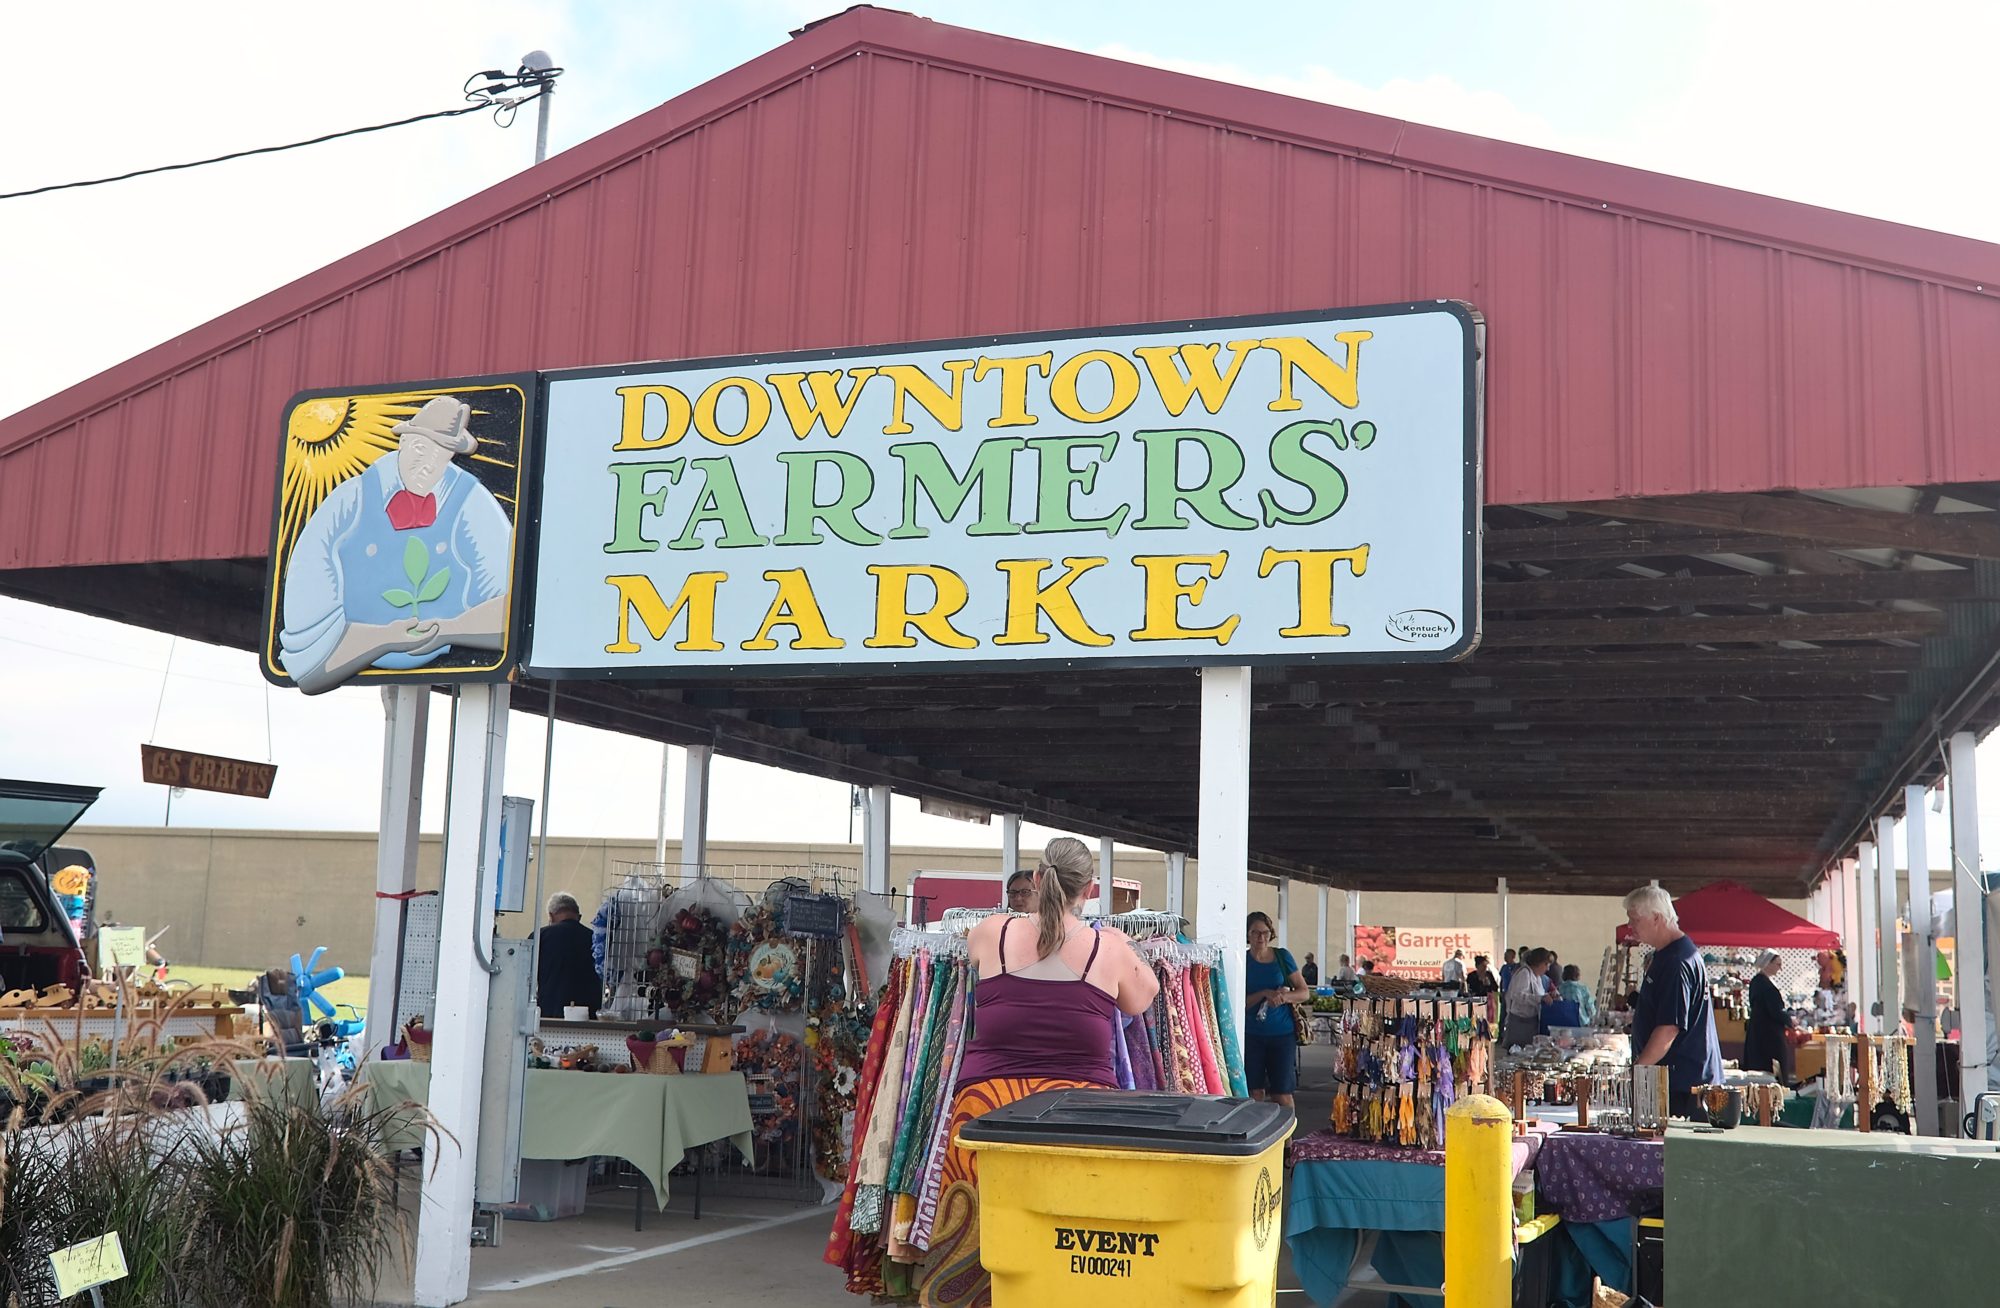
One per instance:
(1724,913)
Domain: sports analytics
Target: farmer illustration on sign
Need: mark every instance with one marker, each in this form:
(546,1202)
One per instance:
(401,562)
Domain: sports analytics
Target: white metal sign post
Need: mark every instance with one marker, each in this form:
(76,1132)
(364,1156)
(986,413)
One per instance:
(458,1043)
(405,729)
(1223,855)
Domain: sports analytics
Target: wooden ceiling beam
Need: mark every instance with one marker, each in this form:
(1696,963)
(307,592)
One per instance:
(1952,535)
(1868,625)
(1738,588)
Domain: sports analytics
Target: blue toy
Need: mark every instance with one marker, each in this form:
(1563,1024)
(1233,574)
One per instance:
(307,982)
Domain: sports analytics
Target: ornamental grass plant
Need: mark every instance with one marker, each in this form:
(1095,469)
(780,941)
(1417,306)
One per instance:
(274,1199)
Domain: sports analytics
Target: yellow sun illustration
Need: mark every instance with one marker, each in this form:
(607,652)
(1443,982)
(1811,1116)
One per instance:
(331,439)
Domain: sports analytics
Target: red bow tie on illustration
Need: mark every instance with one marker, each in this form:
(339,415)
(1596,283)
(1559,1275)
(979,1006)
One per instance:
(407,510)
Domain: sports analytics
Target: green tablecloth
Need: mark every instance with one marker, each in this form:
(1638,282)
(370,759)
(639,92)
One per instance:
(298,1076)
(649,1121)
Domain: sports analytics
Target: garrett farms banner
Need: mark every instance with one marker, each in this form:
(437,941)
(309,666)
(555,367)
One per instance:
(1254,490)
(1419,951)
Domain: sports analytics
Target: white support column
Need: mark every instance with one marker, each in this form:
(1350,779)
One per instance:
(458,1049)
(1284,913)
(1326,967)
(1106,897)
(1177,882)
(1500,946)
(1864,957)
(1923,948)
(694,812)
(666,804)
(1223,853)
(1888,976)
(1353,920)
(1968,911)
(406,715)
(1850,928)
(1010,851)
(875,842)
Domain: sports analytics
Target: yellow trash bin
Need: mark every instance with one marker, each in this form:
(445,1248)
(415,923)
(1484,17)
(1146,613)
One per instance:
(1113,1197)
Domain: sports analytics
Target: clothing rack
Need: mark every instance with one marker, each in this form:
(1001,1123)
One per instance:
(1157,936)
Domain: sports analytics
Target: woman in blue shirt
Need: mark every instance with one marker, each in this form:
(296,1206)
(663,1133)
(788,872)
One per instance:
(1270,1033)
(1575,991)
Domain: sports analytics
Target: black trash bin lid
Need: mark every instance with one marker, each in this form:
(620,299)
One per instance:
(1125,1119)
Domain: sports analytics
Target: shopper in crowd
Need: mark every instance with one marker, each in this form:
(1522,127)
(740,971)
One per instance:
(1673,1023)
(1310,971)
(1552,978)
(1509,964)
(1050,989)
(1021,892)
(1480,981)
(1525,998)
(1346,973)
(565,975)
(1270,1031)
(1452,975)
(1368,967)
(1576,992)
(1764,1042)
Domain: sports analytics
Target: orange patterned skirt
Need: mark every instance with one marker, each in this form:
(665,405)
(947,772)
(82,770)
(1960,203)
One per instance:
(952,1276)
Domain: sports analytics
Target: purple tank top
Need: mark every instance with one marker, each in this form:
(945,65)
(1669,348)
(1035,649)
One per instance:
(1030,1026)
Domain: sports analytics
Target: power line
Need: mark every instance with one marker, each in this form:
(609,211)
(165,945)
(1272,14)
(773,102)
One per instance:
(541,80)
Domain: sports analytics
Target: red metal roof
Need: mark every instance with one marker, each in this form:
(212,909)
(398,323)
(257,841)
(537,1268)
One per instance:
(884,178)
(1724,914)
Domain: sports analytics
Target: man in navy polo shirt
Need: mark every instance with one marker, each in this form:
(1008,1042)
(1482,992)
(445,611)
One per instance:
(1673,1023)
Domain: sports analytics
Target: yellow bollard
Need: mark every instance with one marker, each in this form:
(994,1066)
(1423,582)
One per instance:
(1478,1204)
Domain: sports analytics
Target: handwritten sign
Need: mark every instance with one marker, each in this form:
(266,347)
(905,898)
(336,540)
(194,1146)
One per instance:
(121,947)
(84,1266)
(228,776)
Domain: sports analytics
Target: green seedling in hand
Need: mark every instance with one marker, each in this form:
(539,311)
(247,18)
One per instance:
(425,584)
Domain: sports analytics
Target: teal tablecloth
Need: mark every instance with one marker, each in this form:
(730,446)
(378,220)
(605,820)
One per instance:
(1332,1203)
(649,1121)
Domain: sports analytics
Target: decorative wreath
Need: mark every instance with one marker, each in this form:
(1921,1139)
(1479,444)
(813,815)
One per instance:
(690,967)
(778,1056)
(766,967)
(839,1040)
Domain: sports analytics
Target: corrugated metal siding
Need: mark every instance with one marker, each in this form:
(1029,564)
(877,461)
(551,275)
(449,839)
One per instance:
(891,195)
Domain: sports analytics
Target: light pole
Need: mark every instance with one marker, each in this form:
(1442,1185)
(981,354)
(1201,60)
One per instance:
(538,68)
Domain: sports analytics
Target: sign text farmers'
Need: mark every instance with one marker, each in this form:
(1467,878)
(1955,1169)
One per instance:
(1225,492)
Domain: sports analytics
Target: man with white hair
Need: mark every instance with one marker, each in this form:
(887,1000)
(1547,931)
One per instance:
(1673,1023)
(565,976)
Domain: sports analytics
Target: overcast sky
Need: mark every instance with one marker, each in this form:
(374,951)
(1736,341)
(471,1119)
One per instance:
(1878,110)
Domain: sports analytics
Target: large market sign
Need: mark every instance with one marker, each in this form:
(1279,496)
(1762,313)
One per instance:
(1281,489)
(1243,491)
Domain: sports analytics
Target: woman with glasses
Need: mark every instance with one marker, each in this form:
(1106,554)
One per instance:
(1270,1033)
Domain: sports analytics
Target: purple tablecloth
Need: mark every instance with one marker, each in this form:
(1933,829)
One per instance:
(1592,1178)
(1326,1147)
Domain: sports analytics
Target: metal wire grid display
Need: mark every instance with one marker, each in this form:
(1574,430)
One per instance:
(774,1053)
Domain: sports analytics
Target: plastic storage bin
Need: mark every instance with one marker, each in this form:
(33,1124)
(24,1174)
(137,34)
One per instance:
(1108,1198)
(550,1189)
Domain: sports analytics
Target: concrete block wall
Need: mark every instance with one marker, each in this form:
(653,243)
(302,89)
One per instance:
(249,898)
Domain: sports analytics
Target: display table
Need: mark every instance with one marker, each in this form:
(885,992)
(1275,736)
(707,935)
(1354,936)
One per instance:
(1591,1181)
(1342,1190)
(298,1078)
(649,1121)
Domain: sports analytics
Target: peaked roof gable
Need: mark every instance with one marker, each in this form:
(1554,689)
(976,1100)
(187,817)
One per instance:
(882,177)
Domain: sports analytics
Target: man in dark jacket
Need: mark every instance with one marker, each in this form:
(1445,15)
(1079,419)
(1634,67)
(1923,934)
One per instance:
(565,974)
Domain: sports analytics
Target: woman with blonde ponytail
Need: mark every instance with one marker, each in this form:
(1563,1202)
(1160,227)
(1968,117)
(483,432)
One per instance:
(1050,990)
